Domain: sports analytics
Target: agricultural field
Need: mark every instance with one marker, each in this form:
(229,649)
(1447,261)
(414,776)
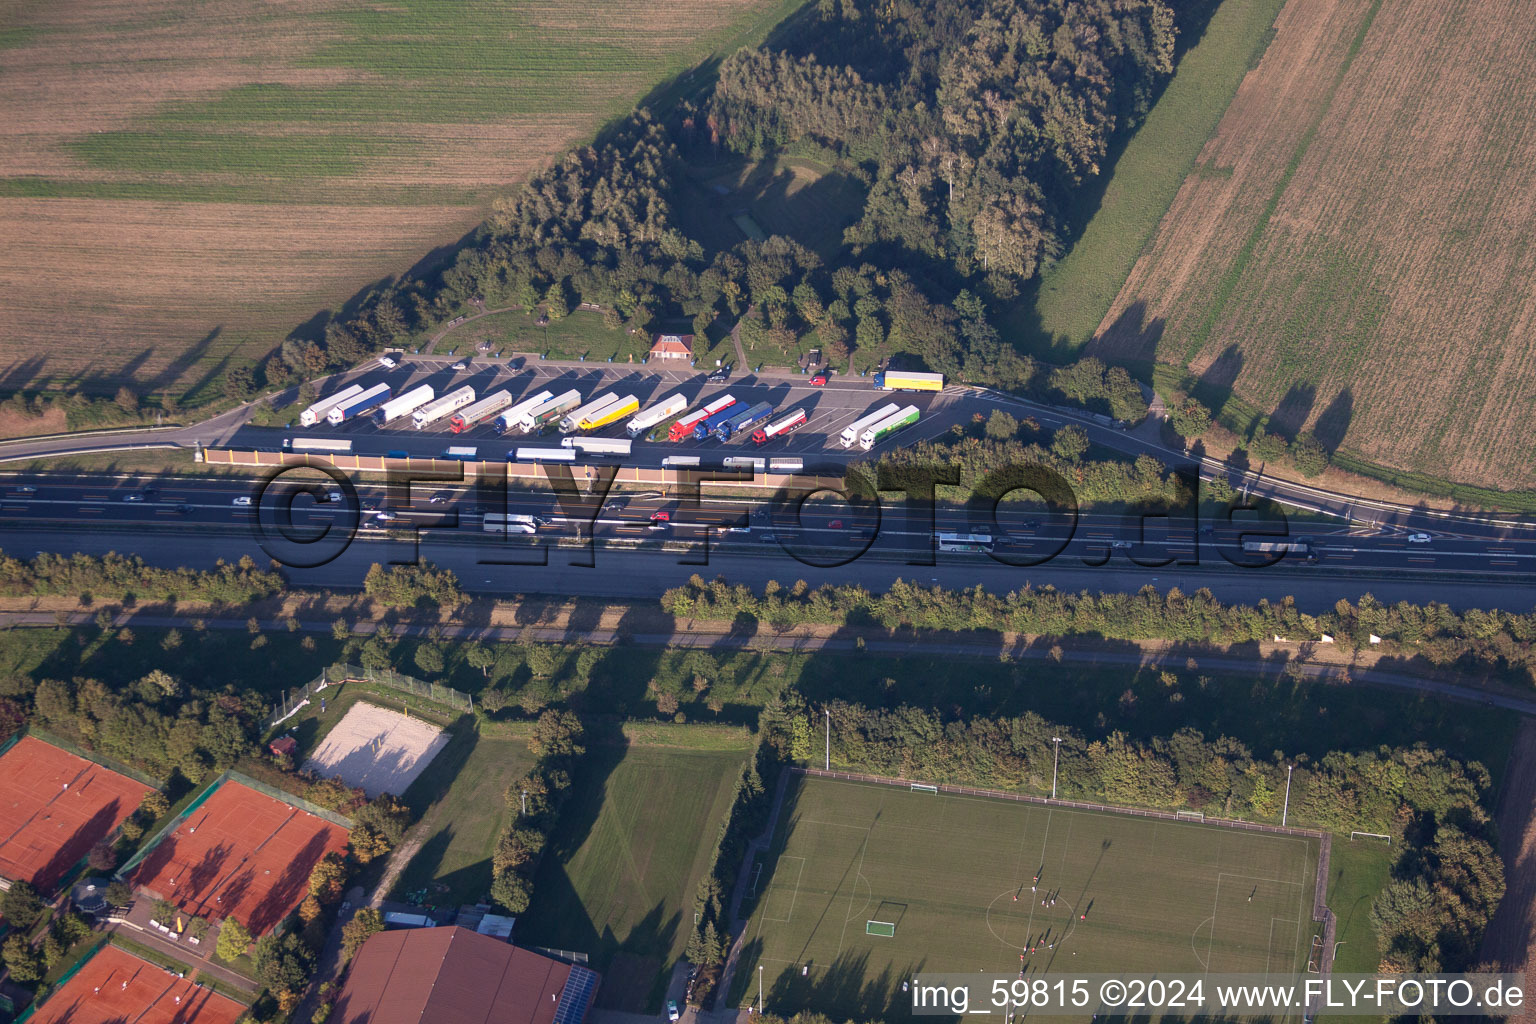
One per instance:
(954,875)
(629,849)
(1350,254)
(182,185)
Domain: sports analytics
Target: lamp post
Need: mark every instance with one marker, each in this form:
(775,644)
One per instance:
(1055,761)
(1286,811)
(759,989)
(828,713)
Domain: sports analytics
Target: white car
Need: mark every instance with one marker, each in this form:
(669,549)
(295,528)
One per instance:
(672,1013)
(1419,538)
(242,501)
(460,365)
(387,362)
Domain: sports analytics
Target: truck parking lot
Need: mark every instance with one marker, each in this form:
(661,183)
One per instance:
(759,401)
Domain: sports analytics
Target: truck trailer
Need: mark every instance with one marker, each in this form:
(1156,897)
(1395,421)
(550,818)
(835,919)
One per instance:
(548,411)
(745,420)
(358,405)
(315,413)
(572,420)
(779,427)
(906,380)
(452,402)
(685,427)
(405,403)
(509,419)
(707,425)
(599,445)
(850,436)
(614,411)
(317,444)
(488,406)
(662,410)
(878,432)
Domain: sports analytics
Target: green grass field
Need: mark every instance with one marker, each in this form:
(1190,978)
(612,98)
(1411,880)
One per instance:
(1157,895)
(631,845)
(1075,293)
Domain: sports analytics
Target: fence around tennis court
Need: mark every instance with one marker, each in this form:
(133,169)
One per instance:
(1320,910)
(336,675)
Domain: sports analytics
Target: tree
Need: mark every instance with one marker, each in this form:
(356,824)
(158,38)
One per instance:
(1267,446)
(557,734)
(21,905)
(328,880)
(1189,417)
(283,963)
(102,857)
(429,658)
(126,400)
(233,940)
(1310,456)
(1001,426)
(493,699)
(365,924)
(511,891)
(1069,443)
(119,893)
(310,909)
(23,962)
(481,657)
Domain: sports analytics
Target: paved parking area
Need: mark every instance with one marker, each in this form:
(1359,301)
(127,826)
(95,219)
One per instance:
(829,409)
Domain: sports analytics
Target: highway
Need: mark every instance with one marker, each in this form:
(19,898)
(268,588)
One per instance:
(196,521)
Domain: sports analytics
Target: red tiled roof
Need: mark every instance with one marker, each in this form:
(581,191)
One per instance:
(448,976)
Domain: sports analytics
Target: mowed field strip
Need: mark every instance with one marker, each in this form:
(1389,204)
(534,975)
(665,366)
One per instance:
(184,184)
(957,877)
(1352,252)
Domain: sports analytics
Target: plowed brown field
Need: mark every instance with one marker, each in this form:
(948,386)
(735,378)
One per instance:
(184,182)
(1353,252)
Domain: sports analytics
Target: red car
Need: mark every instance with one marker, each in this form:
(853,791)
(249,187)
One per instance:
(819,381)
(661,517)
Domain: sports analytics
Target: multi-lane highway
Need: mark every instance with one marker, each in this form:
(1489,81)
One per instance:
(645,542)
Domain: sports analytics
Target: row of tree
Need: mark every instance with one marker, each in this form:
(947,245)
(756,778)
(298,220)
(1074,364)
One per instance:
(1434,631)
(128,577)
(534,803)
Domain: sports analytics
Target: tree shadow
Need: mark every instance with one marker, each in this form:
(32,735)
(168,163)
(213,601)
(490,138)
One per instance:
(1294,408)
(1333,422)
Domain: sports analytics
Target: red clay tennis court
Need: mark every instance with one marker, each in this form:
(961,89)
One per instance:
(54,806)
(115,986)
(240,854)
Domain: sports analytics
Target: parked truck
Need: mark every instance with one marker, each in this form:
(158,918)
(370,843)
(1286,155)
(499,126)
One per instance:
(487,407)
(707,425)
(317,412)
(549,411)
(509,419)
(745,420)
(878,432)
(779,427)
(850,436)
(358,405)
(907,380)
(405,403)
(662,410)
(447,405)
(599,445)
(624,405)
(573,419)
(685,427)
(317,444)
(462,454)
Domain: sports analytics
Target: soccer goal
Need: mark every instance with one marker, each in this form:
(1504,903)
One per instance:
(923,787)
(885,928)
(1191,815)
(1370,835)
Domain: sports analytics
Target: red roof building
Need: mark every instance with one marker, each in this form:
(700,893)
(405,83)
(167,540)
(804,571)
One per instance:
(455,976)
(284,745)
(672,346)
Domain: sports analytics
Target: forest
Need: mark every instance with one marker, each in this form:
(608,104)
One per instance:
(973,124)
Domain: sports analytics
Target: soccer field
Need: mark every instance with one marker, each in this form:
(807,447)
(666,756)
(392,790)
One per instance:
(956,877)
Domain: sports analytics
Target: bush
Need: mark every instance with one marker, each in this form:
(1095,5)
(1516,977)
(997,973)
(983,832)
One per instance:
(1310,456)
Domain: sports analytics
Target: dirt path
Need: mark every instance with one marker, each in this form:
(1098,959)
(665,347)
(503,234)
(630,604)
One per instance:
(1509,939)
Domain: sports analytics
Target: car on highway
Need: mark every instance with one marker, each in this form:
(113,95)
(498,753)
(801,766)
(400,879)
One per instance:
(1119,545)
(242,502)
(661,516)
(24,489)
(1419,538)
(331,497)
(133,497)
(184,509)
(387,363)
(397,453)
(539,520)
(616,504)
(440,498)
(460,365)
(385,517)
(672,1013)
(819,381)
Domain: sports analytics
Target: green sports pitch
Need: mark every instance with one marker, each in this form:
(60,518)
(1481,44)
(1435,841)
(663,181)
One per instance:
(866,885)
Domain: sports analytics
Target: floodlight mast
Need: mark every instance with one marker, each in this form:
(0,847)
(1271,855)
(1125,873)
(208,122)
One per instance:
(1055,761)
(828,713)
(1286,811)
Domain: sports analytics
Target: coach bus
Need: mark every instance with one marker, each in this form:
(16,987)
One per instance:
(979,542)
